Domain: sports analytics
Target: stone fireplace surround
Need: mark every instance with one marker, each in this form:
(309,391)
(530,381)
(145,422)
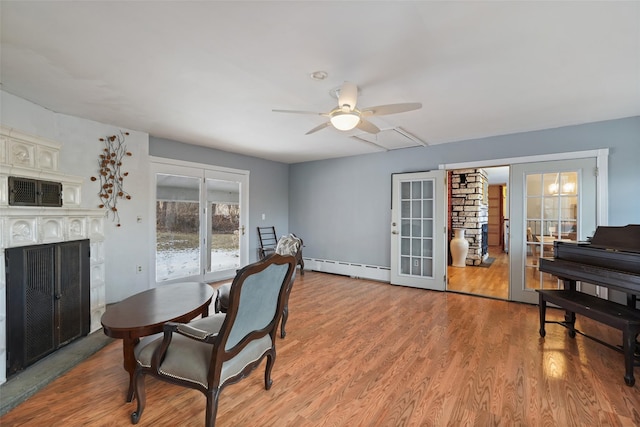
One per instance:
(29,156)
(470,209)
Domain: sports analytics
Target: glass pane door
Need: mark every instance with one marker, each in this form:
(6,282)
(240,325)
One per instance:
(552,214)
(553,200)
(223,204)
(417,230)
(200,224)
(177,227)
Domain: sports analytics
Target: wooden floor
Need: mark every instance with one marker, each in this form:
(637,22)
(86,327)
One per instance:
(363,353)
(493,281)
(490,281)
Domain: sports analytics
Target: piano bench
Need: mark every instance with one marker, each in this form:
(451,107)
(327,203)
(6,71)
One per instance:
(616,315)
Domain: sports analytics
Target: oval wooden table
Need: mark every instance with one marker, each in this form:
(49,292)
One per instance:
(145,314)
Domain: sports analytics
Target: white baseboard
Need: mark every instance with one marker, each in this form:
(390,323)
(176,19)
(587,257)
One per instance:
(363,271)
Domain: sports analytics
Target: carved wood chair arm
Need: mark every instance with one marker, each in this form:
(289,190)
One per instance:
(193,333)
(184,329)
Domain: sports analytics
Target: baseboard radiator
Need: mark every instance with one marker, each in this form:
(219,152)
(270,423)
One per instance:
(364,271)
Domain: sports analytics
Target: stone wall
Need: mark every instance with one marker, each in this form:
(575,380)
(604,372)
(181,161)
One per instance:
(470,208)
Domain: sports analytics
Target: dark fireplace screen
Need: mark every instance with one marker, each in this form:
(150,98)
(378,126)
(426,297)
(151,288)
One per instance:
(48,301)
(485,239)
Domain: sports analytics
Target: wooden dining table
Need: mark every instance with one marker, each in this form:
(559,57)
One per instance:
(145,314)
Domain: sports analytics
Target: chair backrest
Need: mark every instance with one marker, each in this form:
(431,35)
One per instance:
(267,237)
(256,300)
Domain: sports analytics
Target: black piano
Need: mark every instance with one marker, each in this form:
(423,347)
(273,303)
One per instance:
(611,259)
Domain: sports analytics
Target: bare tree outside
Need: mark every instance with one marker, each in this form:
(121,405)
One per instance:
(178,239)
(178,235)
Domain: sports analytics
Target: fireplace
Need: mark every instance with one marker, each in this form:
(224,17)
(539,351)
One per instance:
(485,239)
(50,232)
(48,303)
(469,210)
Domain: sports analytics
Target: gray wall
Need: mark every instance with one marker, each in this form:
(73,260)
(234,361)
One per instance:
(128,246)
(268,183)
(341,207)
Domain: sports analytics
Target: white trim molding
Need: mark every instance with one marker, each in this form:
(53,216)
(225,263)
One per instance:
(602,161)
(363,271)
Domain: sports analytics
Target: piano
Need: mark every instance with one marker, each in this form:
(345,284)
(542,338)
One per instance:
(611,259)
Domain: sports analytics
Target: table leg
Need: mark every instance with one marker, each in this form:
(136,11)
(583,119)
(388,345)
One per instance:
(570,322)
(542,306)
(629,344)
(129,362)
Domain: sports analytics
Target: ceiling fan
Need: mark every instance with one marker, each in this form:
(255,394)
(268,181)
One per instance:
(347,116)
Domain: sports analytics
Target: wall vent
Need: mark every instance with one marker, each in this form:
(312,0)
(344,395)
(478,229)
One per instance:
(34,192)
(391,139)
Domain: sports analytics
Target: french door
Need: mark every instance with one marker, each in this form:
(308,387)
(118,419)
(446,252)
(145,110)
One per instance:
(200,219)
(418,212)
(554,200)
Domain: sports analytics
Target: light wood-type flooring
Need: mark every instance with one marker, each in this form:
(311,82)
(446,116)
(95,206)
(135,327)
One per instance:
(490,281)
(365,353)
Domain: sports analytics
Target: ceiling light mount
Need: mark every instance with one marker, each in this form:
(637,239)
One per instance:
(319,75)
(335,92)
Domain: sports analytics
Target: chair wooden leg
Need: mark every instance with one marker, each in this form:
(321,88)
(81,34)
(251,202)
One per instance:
(285,316)
(212,408)
(271,358)
(301,264)
(140,396)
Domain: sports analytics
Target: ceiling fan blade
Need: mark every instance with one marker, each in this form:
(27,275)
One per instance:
(348,96)
(317,128)
(381,110)
(315,113)
(367,126)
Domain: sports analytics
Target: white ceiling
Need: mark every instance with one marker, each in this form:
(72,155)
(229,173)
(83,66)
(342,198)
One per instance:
(209,73)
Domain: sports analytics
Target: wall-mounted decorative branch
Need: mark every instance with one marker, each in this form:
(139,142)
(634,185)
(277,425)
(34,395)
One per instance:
(110,174)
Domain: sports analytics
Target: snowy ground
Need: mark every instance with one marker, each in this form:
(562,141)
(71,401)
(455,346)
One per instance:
(175,264)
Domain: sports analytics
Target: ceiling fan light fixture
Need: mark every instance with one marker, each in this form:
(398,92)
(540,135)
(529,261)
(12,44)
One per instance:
(347,116)
(345,121)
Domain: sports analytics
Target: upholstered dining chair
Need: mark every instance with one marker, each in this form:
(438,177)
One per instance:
(287,245)
(210,353)
(291,245)
(269,243)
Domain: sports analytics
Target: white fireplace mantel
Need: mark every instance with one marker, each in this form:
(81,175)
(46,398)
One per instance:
(27,156)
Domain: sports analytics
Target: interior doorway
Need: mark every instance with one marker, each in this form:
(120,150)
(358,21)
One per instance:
(478,203)
(517,243)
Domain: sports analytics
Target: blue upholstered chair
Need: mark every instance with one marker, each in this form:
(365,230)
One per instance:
(210,353)
(287,245)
